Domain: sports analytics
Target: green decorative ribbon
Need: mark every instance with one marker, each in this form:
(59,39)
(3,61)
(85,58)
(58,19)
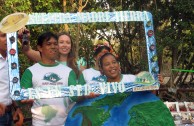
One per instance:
(181,70)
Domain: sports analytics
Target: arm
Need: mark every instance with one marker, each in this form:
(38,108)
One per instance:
(17,115)
(2,109)
(72,78)
(26,82)
(161,79)
(72,81)
(26,49)
(30,53)
(81,79)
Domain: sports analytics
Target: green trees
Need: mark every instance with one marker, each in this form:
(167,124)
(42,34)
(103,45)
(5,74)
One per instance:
(173,24)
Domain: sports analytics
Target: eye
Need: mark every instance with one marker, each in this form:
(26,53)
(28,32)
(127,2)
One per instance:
(60,42)
(114,62)
(106,64)
(68,42)
(48,43)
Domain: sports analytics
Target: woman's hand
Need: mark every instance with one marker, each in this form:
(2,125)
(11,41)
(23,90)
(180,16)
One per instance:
(161,79)
(23,31)
(28,101)
(23,36)
(18,115)
(92,95)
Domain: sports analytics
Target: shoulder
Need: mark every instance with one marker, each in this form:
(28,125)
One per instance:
(65,67)
(35,66)
(131,76)
(89,70)
(62,69)
(128,78)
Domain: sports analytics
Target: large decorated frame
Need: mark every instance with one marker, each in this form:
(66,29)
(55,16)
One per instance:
(88,17)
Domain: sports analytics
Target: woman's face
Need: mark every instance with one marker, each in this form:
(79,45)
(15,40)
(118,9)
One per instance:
(111,68)
(64,43)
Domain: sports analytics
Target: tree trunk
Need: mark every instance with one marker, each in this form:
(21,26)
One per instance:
(80,8)
(174,57)
(65,26)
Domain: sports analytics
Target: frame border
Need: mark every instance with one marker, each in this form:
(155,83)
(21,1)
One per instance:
(87,17)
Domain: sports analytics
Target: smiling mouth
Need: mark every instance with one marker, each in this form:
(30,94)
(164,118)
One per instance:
(65,49)
(113,71)
(54,51)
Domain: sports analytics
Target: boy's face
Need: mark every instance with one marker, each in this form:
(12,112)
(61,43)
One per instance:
(3,42)
(49,49)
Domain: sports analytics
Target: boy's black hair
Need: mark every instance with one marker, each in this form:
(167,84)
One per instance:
(46,36)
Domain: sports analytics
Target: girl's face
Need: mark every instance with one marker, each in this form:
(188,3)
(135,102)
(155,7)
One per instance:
(64,43)
(111,68)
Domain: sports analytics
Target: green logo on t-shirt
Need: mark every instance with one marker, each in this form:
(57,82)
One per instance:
(52,77)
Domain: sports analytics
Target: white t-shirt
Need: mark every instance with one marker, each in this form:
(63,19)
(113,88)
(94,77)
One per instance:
(49,112)
(4,82)
(128,78)
(91,75)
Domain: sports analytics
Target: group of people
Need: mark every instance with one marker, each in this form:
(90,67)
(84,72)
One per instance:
(56,65)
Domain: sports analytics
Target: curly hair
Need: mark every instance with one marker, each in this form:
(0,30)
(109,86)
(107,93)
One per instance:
(98,48)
